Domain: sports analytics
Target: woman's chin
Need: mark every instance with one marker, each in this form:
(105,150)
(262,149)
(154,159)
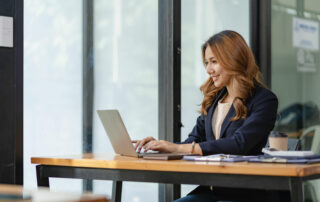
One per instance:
(216,84)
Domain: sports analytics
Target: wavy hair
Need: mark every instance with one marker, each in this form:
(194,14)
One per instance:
(233,54)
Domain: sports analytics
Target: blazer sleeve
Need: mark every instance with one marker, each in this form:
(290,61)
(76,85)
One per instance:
(254,130)
(198,132)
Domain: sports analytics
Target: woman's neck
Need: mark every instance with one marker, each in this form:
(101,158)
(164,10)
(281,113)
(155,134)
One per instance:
(230,94)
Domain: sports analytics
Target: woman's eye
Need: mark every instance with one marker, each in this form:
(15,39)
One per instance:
(214,61)
(205,63)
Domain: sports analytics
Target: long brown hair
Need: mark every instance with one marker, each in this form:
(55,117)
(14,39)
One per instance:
(233,54)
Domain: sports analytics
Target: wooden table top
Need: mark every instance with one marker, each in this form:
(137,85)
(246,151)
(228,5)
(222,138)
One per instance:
(15,192)
(130,163)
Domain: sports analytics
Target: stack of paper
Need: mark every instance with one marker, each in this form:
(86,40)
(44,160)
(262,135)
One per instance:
(279,153)
(219,158)
(297,157)
(270,156)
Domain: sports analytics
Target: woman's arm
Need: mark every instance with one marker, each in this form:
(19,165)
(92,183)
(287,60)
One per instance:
(197,135)
(165,146)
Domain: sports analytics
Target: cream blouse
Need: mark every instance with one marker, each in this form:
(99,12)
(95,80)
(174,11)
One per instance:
(218,117)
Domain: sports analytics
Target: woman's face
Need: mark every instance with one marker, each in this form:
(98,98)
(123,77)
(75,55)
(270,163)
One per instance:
(218,74)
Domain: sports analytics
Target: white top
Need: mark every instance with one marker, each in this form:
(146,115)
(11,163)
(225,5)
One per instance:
(218,117)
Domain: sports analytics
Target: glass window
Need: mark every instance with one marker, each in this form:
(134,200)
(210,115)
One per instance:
(296,74)
(295,65)
(52,85)
(126,78)
(200,20)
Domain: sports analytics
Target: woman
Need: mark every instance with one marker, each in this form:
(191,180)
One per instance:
(237,111)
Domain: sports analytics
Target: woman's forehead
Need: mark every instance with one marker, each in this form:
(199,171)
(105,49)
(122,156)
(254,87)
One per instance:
(209,53)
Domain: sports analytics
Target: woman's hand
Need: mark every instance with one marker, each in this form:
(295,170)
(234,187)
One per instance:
(141,143)
(150,143)
(161,145)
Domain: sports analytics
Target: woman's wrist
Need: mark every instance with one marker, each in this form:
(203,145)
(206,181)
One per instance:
(186,148)
(182,148)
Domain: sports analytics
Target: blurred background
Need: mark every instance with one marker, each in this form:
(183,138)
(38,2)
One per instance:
(106,57)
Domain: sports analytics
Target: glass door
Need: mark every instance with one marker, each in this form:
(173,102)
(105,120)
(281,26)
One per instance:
(296,74)
(126,78)
(200,20)
(52,85)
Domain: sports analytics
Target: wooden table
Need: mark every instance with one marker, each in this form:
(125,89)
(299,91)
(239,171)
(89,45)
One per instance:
(120,168)
(18,193)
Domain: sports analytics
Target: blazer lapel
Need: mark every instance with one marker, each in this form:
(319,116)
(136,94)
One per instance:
(208,118)
(226,122)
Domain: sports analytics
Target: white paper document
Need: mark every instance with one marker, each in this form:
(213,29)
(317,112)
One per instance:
(6,31)
(305,34)
(219,158)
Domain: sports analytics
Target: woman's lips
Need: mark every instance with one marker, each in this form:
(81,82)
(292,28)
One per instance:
(214,78)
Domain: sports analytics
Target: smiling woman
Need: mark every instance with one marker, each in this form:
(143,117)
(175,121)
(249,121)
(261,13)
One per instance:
(231,64)
(237,112)
(234,78)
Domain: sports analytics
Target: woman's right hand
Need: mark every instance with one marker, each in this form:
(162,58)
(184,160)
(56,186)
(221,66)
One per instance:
(141,143)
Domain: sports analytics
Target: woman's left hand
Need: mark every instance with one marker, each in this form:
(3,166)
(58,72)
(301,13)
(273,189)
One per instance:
(161,145)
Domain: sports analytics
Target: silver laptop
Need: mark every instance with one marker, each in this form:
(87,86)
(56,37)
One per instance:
(118,134)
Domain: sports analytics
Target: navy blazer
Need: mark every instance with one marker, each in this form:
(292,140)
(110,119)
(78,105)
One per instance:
(244,136)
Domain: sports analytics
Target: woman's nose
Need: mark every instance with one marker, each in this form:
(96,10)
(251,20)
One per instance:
(209,69)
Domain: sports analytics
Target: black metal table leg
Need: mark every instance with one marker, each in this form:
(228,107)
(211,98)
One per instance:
(116,191)
(296,190)
(41,180)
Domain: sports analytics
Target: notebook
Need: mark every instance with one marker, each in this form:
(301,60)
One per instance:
(263,159)
(290,154)
(277,156)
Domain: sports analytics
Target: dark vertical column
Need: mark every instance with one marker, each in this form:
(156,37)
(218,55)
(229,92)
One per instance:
(18,58)
(88,81)
(300,8)
(116,191)
(169,81)
(260,36)
(254,29)
(11,94)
